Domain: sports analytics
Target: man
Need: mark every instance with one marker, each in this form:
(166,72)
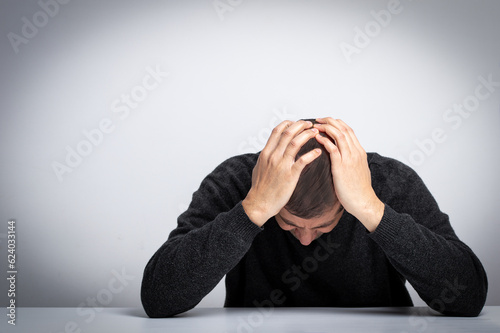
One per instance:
(313,220)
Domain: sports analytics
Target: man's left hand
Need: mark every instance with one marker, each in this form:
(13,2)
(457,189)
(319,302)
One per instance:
(350,172)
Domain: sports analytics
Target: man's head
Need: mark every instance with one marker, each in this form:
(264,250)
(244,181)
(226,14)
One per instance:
(313,208)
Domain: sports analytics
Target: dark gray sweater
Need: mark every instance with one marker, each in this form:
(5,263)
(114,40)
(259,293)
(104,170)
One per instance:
(347,267)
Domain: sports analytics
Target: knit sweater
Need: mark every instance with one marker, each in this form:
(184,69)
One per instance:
(347,267)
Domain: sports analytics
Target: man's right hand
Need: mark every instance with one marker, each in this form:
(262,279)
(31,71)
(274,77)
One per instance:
(276,173)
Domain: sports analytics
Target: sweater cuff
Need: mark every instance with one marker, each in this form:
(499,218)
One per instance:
(240,224)
(388,229)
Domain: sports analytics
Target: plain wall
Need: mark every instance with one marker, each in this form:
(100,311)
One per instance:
(232,76)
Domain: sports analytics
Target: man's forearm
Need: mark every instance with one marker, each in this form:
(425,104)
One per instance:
(187,267)
(445,272)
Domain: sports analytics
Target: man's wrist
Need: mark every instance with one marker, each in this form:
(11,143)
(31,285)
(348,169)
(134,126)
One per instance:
(253,212)
(372,215)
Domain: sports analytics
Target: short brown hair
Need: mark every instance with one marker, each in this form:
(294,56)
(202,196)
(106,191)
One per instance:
(314,193)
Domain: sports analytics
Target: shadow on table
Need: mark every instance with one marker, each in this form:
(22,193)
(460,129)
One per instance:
(196,312)
(135,312)
(207,312)
(376,311)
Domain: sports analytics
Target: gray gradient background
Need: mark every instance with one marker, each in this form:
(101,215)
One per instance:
(227,81)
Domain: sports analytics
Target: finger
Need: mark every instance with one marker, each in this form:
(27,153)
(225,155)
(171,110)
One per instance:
(331,148)
(337,123)
(323,120)
(332,122)
(327,120)
(327,143)
(339,137)
(304,160)
(353,137)
(289,134)
(275,136)
(342,127)
(298,142)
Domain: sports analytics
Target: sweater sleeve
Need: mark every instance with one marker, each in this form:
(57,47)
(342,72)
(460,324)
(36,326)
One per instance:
(210,239)
(421,244)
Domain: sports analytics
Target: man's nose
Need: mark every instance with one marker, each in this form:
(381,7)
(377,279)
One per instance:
(305,236)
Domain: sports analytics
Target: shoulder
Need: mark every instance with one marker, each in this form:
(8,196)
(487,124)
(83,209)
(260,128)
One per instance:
(237,165)
(393,180)
(235,171)
(383,166)
(224,186)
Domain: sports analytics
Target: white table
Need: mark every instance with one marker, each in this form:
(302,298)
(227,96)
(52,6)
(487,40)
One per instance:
(249,320)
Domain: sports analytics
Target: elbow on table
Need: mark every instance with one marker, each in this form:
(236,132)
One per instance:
(156,305)
(156,313)
(468,304)
(152,306)
(465,312)
(157,308)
